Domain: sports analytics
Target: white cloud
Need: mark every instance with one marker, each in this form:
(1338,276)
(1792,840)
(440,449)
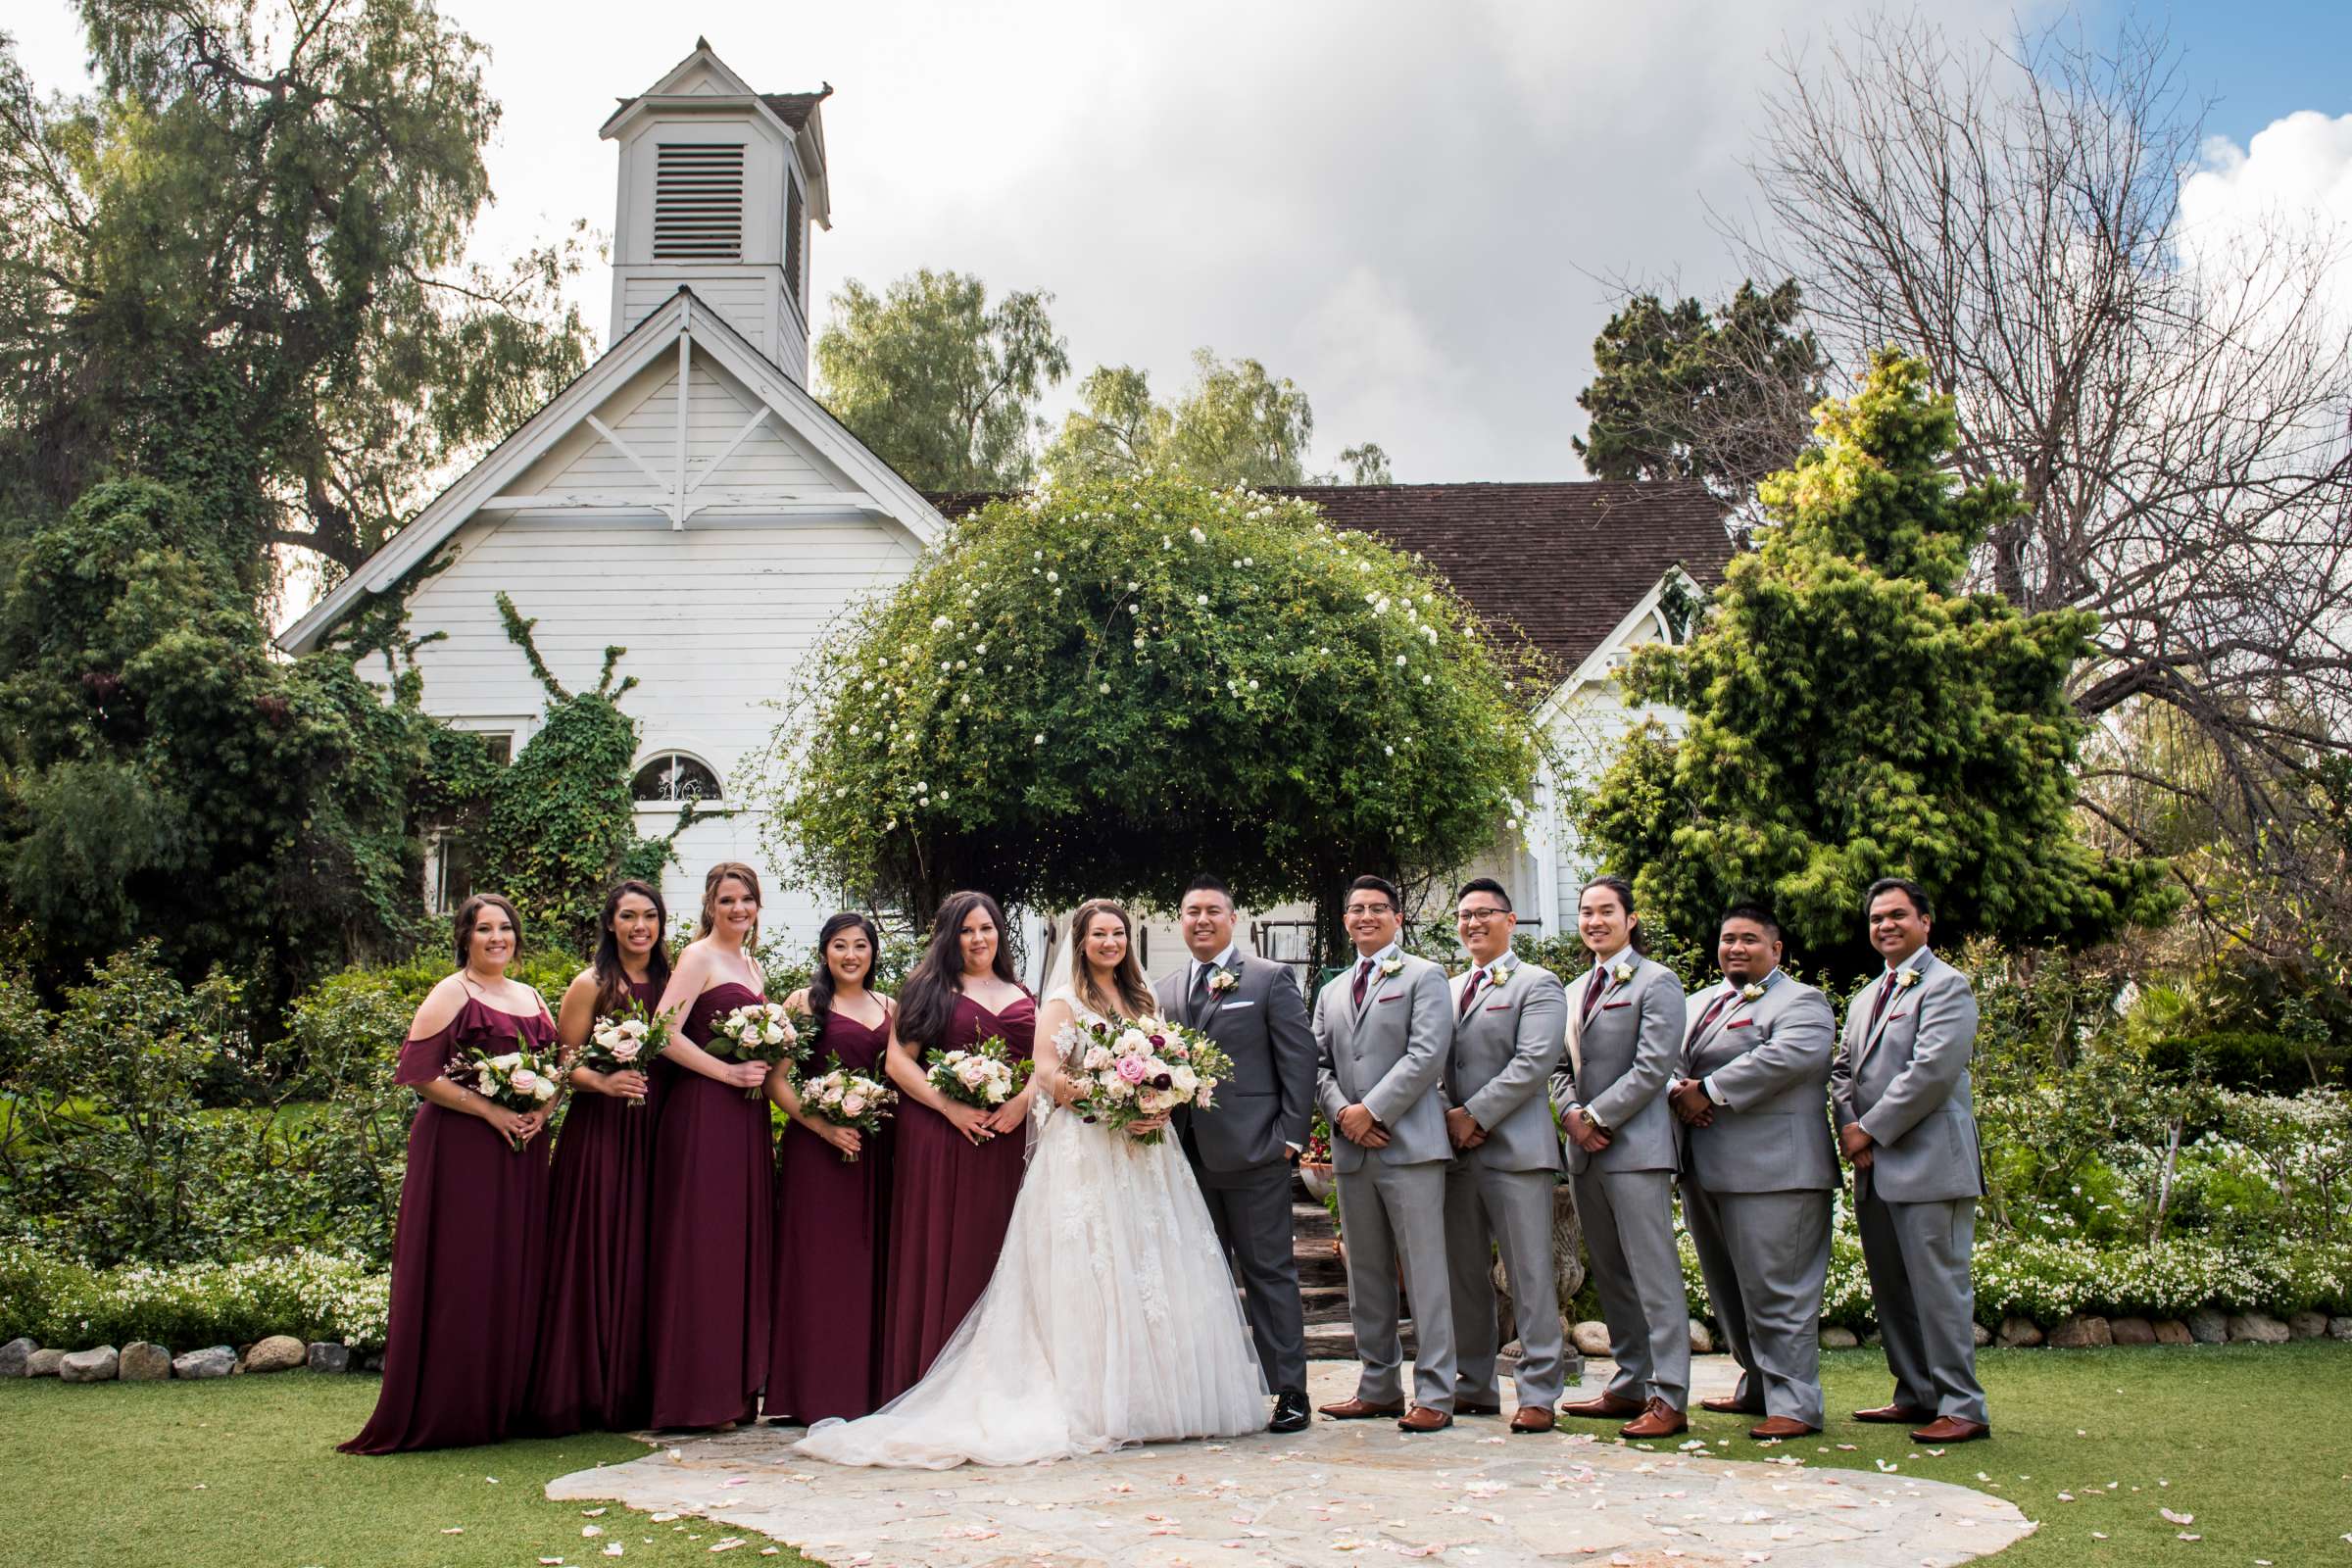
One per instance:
(2292,183)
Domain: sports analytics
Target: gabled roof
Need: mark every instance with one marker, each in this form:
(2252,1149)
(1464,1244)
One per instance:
(684,315)
(1565,562)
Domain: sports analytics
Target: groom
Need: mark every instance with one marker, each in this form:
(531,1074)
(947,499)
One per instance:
(1240,1147)
(1384,1029)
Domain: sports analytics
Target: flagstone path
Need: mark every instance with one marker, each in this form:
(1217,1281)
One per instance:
(1338,1492)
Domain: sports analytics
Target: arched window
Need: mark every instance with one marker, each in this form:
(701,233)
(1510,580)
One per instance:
(668,777)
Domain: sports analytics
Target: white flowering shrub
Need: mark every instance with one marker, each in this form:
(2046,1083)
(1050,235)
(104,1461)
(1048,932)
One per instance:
(309,1294)
(1098,689)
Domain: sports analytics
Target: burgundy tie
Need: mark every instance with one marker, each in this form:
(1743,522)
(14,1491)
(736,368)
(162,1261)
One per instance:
(1470,992)
(1363,978)
(1711,1014)
(1878,1007)
(1591,995)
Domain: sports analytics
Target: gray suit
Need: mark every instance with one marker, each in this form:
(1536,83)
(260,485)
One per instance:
(1623,1053)
(1238,1147)
(1388,1057)
(1756,1183)
(1905,1080)
(1499,1193)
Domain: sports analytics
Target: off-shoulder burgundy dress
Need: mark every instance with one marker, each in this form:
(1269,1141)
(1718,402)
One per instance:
(468,1257)
(950,1203)
(832,1223)
(590,1373)
(712,1279)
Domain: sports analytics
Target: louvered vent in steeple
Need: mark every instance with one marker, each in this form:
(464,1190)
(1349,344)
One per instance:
(698,202)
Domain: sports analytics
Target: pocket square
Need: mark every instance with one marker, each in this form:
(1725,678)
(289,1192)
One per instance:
(1230,1005)
(1741,1023)
(1893,1016)
(1393,996)
(1500,1006)
(1610,1005)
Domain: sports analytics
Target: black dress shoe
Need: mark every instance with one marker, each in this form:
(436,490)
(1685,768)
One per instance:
(1290,1412)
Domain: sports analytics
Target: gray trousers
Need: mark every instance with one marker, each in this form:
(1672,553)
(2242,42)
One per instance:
(1766,1256)
(1252,1210)
(1394,1216)
(1918,1256)
(1510,1210)
(1628,1217)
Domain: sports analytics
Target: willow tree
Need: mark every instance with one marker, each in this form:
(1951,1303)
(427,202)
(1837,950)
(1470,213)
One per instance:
(1854,713)
(1104,687)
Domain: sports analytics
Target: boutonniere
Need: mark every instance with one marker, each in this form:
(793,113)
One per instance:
(1391,964)
(1622,970)
(1498,976)
(1752,991)
(1223,981)
(1905,978)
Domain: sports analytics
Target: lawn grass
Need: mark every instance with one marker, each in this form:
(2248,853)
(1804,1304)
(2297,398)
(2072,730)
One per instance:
(243,1472)
(2250,1439)
(2254,1441)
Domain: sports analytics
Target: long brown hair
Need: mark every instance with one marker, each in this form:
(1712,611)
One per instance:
(1134,999)
(716,875)
(472,910)
(927,1001)
(612,978)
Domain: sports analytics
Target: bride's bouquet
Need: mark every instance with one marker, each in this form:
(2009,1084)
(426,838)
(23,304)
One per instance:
(1140,1068)
(518,1080)
(848,1099)
(761,1031)
(626,1040)
(984,1076)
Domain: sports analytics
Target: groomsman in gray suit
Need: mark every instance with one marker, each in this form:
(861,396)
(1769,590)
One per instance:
(1758,1167)
(1383,1030)
(1899,1089)
(1625,1036)
(1509,1031)
(1242,1147)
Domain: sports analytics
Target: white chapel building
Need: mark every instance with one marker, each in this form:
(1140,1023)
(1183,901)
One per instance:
(687,498)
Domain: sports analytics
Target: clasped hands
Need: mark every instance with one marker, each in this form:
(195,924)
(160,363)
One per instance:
(1463,1129)
(1360,1127)
(1856,1144)
(1581,1131)
(1691,1106)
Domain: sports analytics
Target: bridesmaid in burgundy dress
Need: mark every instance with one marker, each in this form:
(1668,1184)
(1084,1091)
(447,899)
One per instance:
(711,1264)
(825,1357)
(957,1168)
(591,1371)
(469,1252)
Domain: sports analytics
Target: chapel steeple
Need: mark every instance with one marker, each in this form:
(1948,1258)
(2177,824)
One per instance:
(718,185)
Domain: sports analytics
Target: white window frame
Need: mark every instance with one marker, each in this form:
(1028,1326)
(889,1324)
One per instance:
(670,808)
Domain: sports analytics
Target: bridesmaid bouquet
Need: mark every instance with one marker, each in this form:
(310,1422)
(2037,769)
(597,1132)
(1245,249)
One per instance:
(626,1040)
(1141,1068)
(848,1099)
(518,1080)
(984,1076)
(760,1032)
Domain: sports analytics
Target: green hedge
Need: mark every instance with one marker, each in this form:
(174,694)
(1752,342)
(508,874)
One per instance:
(312,1296)
(2263,1062)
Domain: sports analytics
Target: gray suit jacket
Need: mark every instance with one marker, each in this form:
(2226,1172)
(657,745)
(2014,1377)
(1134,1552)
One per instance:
(1770,1061)
(1261,1024)
(1505,1053)
(1906,1082)
(1389,1057)
(1629,1050)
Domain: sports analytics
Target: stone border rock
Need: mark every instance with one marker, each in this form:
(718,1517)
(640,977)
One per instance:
(141,1362)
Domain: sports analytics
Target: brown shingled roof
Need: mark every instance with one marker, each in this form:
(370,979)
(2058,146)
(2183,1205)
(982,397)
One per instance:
(792,108)
(1564,562)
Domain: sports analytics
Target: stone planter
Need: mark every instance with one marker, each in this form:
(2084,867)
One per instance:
(1317,1180)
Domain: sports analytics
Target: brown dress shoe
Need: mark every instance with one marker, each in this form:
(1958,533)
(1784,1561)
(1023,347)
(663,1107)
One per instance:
(1952,1429)
(1425,1418)
(1896,1415)
(1657,1419)
(1532,1418)
(1730,1407)
(1780,1426)
(1607,1407)
(1359,1411)
(1459,1408)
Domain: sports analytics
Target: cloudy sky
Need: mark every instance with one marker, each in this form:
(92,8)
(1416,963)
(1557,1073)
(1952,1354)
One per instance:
(1415,210)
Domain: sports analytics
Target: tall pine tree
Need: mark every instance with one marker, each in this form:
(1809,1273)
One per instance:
(1854,714)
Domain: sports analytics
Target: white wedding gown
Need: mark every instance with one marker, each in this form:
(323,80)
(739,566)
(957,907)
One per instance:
(1111,1319)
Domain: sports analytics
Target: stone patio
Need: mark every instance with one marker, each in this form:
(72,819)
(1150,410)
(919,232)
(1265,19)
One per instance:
(1335,1492)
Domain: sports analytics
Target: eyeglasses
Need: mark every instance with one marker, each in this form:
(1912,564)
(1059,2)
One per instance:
(1478,916)
(1368,909)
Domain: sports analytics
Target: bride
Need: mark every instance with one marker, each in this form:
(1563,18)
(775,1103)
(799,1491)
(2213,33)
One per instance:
(1110,1318)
